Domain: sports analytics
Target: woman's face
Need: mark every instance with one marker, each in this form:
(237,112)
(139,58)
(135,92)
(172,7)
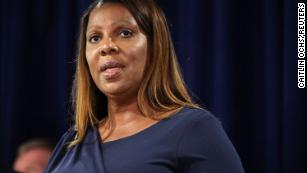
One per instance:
(116,50)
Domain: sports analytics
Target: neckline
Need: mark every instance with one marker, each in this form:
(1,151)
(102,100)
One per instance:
(146,130)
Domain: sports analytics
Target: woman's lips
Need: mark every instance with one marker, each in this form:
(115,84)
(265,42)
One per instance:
(111,73)
(111,69)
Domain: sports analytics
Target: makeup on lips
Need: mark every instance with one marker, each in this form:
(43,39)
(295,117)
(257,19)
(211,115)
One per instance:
(111,69)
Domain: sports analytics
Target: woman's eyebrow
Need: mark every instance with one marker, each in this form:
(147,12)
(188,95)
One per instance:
(125,22)
(115,23)
(93,27)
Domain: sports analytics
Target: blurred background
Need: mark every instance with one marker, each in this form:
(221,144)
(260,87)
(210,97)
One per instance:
(239,58)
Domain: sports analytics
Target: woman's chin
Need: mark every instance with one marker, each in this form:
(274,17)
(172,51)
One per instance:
(112,90)
(121,90)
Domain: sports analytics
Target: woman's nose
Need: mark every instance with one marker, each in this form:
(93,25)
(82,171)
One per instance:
(108,47)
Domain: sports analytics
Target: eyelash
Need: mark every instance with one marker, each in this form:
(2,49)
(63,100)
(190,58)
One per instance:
(127,31)
(93,37)
(121,32)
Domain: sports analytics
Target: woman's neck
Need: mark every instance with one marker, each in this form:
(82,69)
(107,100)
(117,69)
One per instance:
(124,112)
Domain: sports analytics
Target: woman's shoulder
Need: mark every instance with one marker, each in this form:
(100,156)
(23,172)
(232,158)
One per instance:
(60,149)
(67,137)
(192,115)
(190,119)
(204,145)
(70,134)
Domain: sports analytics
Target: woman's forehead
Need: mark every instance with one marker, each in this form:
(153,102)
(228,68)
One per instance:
(111,14)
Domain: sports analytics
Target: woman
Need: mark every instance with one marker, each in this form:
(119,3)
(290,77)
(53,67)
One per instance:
(133,113)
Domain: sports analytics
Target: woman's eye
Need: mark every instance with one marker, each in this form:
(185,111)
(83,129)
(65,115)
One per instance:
(126,33)
(94,39)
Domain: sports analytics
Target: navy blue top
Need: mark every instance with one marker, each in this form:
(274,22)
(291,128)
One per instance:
(190,141)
